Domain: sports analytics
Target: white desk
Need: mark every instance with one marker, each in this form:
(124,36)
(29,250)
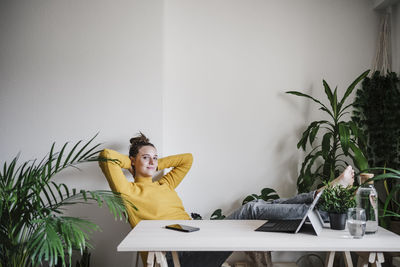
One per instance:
(239,235)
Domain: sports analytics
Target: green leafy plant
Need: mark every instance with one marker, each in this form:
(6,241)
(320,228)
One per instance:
(341,140)
(217,215)
(391,206)
(266,194)
(196,216)
(33,229)
(337,199)
(377,113)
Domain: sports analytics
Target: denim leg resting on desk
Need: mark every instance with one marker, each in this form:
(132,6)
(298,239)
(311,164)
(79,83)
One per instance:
(291,208)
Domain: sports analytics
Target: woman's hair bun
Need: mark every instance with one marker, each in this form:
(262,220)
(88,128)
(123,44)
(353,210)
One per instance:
(140,138)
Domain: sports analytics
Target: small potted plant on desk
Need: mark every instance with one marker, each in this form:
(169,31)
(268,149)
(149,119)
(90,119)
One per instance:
(336,200)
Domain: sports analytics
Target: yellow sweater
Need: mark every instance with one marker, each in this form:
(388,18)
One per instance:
(154,200)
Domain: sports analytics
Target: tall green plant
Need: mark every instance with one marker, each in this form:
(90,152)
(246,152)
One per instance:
(33,229)
(339,142)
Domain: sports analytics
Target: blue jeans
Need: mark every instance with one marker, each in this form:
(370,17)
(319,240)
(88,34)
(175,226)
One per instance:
(290,208)
(285,208)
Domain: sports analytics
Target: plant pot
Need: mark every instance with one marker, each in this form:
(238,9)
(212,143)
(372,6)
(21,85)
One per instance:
(337,221)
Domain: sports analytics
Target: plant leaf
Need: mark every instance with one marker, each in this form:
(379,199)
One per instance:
(326,147)
(344,134)
(268,194)
(335,105)
(307,96)
(359,159)
(313,133)
(217,215)
(352,86)
(249,198)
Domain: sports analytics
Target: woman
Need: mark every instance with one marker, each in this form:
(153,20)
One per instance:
(159,200)
(154,200)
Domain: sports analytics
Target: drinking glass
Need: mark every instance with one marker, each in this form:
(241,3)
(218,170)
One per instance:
(356,222)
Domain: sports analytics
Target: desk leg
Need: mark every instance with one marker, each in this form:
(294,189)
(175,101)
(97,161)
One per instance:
(158,259)
(371,257)
(375,258)
(378,259)
(175,258)
(161,260)
(150,259)
(347,259)
(329,259)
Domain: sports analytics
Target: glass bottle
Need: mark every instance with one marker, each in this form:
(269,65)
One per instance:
(367,198)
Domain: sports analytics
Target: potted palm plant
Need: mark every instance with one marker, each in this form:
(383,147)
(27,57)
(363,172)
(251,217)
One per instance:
(336,200)
(33,229)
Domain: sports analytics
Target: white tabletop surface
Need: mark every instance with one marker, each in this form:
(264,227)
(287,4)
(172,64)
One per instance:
(239,235)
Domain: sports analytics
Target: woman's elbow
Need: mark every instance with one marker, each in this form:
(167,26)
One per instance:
(189,158)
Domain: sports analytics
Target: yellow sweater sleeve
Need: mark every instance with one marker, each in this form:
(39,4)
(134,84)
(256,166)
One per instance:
(113,170)
(181,165)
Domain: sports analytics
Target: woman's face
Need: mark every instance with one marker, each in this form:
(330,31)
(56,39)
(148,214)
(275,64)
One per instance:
(145,162)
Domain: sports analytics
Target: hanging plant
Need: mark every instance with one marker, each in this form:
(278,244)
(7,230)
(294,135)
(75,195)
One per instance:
(377,114)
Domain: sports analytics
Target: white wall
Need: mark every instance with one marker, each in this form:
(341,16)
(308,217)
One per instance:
(227,66)
(70,69)
(206,77)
